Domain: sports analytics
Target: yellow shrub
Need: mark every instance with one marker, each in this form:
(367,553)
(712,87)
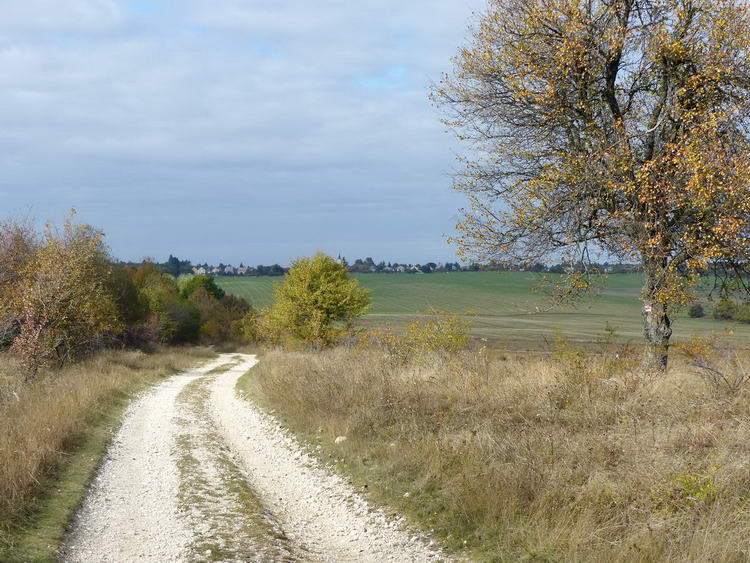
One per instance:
(437,332)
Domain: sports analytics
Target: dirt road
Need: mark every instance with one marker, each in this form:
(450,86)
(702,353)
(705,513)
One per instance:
(197,473)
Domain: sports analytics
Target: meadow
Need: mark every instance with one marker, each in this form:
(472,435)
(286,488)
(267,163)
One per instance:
(503,306)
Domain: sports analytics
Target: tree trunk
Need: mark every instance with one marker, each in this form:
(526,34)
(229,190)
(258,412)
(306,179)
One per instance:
(657,328)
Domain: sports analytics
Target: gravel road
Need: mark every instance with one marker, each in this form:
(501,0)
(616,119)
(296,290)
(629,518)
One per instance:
(196,473)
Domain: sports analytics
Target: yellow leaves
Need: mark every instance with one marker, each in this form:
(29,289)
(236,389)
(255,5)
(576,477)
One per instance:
(531,93)
(317,293)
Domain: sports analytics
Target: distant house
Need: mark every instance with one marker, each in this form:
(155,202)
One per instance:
(216,271)
(229,270)
(200,271)
(243,271)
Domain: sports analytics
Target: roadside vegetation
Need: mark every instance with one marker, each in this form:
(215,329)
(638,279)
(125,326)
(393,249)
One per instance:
(570,457)
(63,298)
(79,335)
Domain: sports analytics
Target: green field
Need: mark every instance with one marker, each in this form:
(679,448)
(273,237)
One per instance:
(503,305)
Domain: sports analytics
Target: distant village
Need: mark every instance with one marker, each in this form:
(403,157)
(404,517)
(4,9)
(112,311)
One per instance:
(178,267)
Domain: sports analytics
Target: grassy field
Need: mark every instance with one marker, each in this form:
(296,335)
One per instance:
(503,305)
(566,458)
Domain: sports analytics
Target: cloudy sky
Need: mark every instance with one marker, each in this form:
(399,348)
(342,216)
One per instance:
(233,130)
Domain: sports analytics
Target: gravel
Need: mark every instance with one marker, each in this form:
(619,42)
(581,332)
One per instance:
(316,506)
(131,512)
(136,510)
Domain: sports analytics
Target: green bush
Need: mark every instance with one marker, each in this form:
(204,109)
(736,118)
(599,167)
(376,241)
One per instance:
(206,282)
(317,302)
(725,310)
(437,332)
(743,313)
(696,311)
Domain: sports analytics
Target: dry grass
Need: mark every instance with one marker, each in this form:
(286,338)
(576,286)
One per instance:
(564,458)
(41,424)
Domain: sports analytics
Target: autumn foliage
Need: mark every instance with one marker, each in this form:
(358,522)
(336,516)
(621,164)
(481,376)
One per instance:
(59,299)
(316,304)
(608,126)
(63,297)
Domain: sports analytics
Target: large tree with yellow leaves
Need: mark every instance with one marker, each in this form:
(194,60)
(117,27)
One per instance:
(616,126)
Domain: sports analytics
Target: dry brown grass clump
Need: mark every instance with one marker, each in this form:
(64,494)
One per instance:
(39,422)
(571,457)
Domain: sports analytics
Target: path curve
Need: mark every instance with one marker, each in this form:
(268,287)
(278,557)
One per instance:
(317,507)
(193,438)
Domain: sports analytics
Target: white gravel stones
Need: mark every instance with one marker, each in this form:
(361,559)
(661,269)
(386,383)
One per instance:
(324,513)
(131,512)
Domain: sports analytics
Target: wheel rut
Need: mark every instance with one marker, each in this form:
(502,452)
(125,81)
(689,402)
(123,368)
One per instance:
(196,473)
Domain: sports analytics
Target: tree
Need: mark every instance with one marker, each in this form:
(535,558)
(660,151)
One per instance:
(172,266)
(743,313)
(18,243)
(62,299)
(725,310)
(206,282)
(172,318)
(614,126)
(695,311)
(317,301)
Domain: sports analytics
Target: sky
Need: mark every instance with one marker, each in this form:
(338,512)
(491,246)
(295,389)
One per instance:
(253,131)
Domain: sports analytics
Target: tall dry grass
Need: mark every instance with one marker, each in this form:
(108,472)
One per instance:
(40,422)
(572,457)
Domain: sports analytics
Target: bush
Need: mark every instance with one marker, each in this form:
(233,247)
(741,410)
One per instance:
(317,303)
(437,332)
(171,318)
(696,311)
(725,310)
(743,313)
(206,282)
(62,298)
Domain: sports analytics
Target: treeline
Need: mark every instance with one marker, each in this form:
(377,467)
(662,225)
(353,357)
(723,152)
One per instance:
(177,267)
(63,297)
(368,265)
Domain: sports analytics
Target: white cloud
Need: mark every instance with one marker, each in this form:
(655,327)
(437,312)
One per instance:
(303,112)
(60,15)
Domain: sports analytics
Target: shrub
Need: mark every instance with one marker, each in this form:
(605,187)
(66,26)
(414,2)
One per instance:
(696,311)
(725,310)
(62,300)
(249,328)
(317,302)
(171,318)
(743,313)
(206,282)
(719,363)
(437,332)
